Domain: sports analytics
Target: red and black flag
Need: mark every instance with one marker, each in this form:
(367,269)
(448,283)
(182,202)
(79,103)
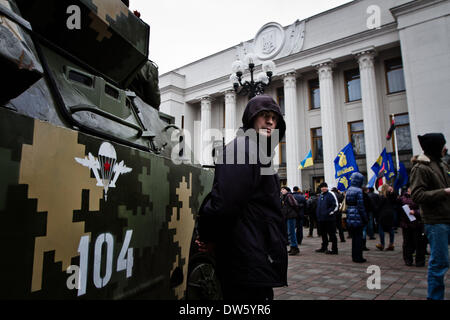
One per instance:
(391,130)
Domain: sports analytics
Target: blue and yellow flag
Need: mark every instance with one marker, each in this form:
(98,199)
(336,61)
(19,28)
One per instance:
(402,177)
(390,169)
(384,166)
(345,164)
(307,162)
(371,182)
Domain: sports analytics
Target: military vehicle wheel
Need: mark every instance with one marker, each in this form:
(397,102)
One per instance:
(202,282)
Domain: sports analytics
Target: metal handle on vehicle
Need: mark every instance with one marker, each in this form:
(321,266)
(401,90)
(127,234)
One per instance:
(85,107)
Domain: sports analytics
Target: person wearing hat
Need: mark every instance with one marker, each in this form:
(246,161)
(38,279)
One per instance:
(240,220)
(327,206)
(430,189)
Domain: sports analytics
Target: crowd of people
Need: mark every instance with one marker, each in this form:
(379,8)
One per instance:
(422,211)
(361,213)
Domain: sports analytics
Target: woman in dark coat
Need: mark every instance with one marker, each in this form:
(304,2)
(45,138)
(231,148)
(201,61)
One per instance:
(386,213)
(242,215)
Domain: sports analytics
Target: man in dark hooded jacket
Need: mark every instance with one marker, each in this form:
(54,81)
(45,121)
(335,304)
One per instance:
(242,214)
(430,189)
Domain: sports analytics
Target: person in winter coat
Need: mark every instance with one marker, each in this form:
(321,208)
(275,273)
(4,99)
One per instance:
(289,207)
(241,217)
(373,214)
(386,212)
(311,208)
(327,205)
(430,189)
(356,215)
(301,201)
(340,198)
(414,239)
(369,209)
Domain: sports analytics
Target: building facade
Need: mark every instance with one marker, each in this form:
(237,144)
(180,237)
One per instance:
(340,77)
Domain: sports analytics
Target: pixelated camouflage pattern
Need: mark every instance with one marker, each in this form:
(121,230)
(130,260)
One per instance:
(157,200)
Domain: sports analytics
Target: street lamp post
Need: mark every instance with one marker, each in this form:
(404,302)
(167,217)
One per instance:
(251,88)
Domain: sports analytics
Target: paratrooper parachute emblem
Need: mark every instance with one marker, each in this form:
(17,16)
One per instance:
(105,168)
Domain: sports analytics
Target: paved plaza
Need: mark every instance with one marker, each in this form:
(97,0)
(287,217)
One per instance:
(319,276)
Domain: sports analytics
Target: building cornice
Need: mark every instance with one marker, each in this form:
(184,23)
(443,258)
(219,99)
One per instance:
(413,6)
(355,38)
(171,88)
(172,100)
(358,37)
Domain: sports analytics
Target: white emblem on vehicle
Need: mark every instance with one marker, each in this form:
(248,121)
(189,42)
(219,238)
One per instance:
(105,168)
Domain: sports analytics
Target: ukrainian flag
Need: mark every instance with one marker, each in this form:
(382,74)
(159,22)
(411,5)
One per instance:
(307,162)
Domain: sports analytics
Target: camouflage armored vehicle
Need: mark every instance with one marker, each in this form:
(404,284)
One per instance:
(92,205)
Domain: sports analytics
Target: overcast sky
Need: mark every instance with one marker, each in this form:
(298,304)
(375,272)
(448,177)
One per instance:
(183,31)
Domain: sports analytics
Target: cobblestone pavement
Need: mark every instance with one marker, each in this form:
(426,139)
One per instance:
(319,276)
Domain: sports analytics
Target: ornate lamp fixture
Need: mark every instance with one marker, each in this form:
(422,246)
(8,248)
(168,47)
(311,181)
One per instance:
(252,87)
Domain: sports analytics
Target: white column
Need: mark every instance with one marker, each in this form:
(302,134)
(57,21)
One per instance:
(328,116)
(206,143)
(230,115)
(370,106)
(292,132)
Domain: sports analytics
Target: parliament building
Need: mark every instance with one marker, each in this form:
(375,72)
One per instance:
(340,77)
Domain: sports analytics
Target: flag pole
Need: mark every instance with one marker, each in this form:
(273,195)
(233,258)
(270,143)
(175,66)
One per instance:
(397,160)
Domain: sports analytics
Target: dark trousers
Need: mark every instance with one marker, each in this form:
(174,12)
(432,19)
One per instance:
(299,230)
(414,240)
(235,292)
(313,223)
(328,231)
(357,243)
(339,226)
(370,226)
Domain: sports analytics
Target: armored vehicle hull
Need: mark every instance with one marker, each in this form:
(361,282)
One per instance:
(96,201)
(68,232)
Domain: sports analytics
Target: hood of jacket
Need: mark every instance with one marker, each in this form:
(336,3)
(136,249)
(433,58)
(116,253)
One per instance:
(262,103)
(356,180)
(432,144)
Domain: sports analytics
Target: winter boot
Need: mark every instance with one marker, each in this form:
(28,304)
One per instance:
(364,246)
(294,251)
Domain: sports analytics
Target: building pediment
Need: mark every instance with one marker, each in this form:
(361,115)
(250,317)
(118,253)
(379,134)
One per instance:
(272,41)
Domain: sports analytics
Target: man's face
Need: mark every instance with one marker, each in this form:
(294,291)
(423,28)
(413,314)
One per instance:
(265,122)
(324,189)
(283,191)
(444,151)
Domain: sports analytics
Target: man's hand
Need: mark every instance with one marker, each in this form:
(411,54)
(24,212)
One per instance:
(205,246)
(447,190)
